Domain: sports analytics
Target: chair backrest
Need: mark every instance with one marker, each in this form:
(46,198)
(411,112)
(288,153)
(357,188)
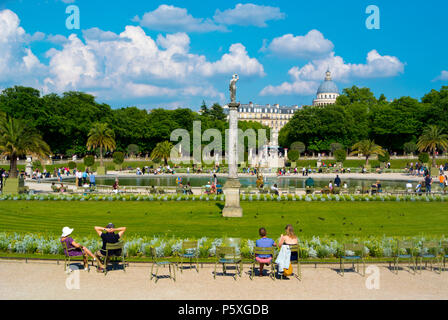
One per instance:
(264,250)
(115,246)
(433,246)
(355,247)
(228,252)
(191,244)
(294,247)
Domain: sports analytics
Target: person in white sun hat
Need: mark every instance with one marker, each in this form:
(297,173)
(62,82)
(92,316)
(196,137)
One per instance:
(75,249)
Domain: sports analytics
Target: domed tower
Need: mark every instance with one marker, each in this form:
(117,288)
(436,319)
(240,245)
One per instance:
(327,92)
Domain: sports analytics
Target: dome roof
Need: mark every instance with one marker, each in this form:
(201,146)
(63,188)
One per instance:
(328,86)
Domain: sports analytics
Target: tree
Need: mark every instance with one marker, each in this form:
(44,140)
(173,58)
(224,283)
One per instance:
(384,158)
(293,155)
(89,161)
(431,139)
(298,146)
(340,155)
(133,149)
(17,139)
(335,146)
(118,157)
(367,148)
(101,136)
(410,147)
(162,151)
(217,112)
(423,157)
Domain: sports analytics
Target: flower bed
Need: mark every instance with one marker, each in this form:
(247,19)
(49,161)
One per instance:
(315,247)
(255,197)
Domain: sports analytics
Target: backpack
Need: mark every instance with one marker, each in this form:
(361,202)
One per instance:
(288,272)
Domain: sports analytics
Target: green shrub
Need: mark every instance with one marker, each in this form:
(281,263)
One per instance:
(36,164)
(293,155)
(384,158)
(340,155)
(118,157)
(89,161)
(72,165)
(423,157)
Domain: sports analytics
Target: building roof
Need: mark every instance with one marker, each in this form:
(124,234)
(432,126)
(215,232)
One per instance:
(328,86)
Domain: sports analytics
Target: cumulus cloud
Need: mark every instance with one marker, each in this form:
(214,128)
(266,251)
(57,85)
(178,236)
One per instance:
(17,61)
(306,79)
(442,77)
(132,64)
(172,19)
(98,34)
(248,15)
(308,46)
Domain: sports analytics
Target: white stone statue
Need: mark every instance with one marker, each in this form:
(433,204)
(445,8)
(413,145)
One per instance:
(232,88)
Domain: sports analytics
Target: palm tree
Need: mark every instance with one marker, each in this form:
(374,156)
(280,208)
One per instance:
(431,139)
(162,151)
(18,139)
(367,148)
(101,136)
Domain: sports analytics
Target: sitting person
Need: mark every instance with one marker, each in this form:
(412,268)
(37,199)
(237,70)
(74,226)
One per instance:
(264,242)
(108,235)
(54,187)
(287,239)
(274,189)
(75,249)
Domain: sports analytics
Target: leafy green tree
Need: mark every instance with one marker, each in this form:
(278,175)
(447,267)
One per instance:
(423,157)
(133,149)
(293,155)
(118,157)
(410,147)
(340,155)
(298,146)
(335,146)
(162,151)
(89,161)
(367,148)
(431,139)
(384,158)
(102,137)
(17,139)
(217,112)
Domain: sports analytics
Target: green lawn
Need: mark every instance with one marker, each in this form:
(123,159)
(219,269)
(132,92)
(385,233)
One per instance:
(197,219)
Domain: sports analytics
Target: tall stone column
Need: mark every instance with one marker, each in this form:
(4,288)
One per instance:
(232,186)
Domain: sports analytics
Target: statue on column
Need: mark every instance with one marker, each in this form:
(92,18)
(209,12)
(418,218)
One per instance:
(232,88)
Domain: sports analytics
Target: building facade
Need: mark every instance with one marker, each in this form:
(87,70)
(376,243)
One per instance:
(327,93)
(273,116)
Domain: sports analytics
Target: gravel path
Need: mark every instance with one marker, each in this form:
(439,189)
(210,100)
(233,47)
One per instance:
(47,280)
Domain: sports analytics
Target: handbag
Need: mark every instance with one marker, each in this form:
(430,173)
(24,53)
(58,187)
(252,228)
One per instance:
(288,272)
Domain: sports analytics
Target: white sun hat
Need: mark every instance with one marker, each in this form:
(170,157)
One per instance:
(66,231)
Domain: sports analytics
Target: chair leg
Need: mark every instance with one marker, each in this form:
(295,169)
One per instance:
(174,272)
(214,273)
(152,268)
(157,272)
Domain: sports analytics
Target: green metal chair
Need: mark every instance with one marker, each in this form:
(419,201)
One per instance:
(68,259)
(429,253)
(295,248)
(114,258)
(190,251)
(358,255)
(157,263)
(227,256)
(405,250)
(264,251)
(444,252)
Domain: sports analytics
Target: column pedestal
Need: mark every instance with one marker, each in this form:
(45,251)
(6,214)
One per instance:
(231,190)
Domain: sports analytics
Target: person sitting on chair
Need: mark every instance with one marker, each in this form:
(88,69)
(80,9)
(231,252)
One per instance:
(264,242)
(73,248)
(108,235)
(274,189)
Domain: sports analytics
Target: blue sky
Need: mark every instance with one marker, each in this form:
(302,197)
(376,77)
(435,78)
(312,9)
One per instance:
(178,53)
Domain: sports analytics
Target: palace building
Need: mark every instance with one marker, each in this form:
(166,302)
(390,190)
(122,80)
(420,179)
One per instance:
(327,92)
(273,116)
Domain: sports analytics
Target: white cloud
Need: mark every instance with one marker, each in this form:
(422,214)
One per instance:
(98,34)
(57,39)
(442,77)
(133,65)
(17,62)
(306,79)
(248,14)
(311,45)
(171,19)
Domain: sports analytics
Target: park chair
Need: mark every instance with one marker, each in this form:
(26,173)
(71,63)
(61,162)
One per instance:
(444,252)
(358,255)
(114,258)
(404,250)
(263,250)
(292,190)
(190,251)
(429,253)
(225,256)
(158,263)
(295,248)
(68,259)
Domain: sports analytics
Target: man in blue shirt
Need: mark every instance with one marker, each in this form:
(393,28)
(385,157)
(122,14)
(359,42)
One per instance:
(92,180)
(264,242)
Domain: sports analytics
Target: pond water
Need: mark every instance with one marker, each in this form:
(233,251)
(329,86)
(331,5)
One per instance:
(199,181)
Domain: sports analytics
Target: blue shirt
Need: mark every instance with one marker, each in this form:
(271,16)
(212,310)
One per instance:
(92,178)
(264,243)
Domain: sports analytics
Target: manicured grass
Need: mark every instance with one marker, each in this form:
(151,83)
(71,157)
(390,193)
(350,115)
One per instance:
(196,219)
